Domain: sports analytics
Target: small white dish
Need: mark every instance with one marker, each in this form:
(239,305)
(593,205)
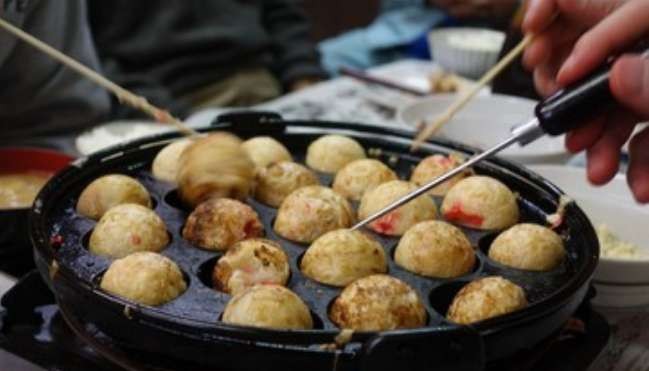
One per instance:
(486,121)
(117,132)
(622,281)
(467,51)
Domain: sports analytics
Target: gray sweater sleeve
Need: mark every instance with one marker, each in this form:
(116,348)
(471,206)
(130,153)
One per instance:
(38,96)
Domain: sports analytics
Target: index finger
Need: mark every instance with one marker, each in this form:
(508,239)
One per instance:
(620,29)
(539,15)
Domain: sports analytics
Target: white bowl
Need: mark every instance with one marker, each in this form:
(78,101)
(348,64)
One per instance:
(486,121)
(622,282)
(469,52)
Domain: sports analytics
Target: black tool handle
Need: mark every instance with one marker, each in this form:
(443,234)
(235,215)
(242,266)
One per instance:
(572,106)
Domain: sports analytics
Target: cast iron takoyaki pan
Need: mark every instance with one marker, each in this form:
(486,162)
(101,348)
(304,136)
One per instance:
(188,328)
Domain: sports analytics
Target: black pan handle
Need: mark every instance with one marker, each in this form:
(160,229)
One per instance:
(572,106)
(457,348)
(250,123)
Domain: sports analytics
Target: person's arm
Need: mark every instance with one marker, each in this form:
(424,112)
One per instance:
(39,96)
(573,38)
(296,60)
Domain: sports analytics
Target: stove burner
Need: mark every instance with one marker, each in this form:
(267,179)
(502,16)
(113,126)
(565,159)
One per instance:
(33,327)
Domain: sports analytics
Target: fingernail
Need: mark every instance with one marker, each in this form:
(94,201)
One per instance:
(632,78)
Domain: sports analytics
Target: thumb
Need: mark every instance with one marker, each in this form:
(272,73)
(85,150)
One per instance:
(630,83)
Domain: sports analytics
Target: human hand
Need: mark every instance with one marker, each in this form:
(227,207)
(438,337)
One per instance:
(498,9)
(573,38)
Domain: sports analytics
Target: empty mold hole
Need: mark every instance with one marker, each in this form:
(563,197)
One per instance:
(172,198)
(205,272)
(484,243)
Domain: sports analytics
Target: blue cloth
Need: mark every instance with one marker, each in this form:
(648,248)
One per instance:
(401,23)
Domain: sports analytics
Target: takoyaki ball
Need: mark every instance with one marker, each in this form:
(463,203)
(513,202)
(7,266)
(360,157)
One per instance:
(312,211)
(166,162)
(357,177)
(486,298)
(145,278)
(481,202)
(276,181)
(268,306)
(215,166)
(108,191)
(400,220)
(339,257)
(378,303)
(251,262)
(528,246)
(331,153)
(128,228)
(219,223)
(265,150)
(433,166)
(435,249)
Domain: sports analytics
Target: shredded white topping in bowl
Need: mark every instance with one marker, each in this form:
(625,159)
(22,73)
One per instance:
(612,247)
(480,40)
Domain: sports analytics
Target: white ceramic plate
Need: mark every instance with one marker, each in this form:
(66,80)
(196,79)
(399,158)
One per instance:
(486,121)
(623,282)
(116,132)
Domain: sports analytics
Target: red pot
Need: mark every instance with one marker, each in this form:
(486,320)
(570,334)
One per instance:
(15,249)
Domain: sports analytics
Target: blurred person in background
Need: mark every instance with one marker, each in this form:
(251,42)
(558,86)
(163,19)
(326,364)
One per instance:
(400,30)
(194,54)
(39,96)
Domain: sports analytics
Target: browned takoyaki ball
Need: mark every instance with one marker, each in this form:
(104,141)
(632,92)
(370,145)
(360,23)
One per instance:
(276,181)
(219,223)
(264,151)
(166,162)
(251,262)
(528,246)
(435,249)
(378,303)
(330,153)
(108,191)
(481,202)
(144,277)
(435,165)
(128,228)
(400,220)
(268,306)
(339,257)
(357,177)
(312,211)
(486,298)
(215,166)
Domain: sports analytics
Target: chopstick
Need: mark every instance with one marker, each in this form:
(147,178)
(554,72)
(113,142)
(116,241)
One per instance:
(123,95)
(362,76)
(465,98)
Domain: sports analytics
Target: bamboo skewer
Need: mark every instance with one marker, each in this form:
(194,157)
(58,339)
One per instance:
(123,95)
(432,128)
